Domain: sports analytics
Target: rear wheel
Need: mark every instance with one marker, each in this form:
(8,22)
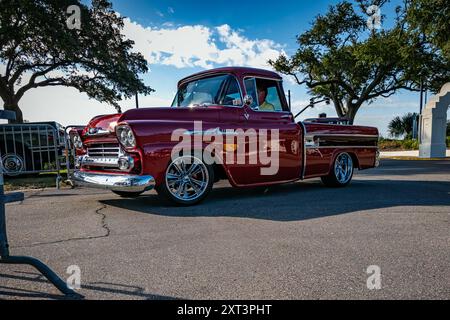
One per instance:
(125,194)
(187,181)
(342,172)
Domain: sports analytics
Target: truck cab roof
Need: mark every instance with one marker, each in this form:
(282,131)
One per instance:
(239,72)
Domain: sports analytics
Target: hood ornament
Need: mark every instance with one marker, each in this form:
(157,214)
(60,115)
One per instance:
(97,132)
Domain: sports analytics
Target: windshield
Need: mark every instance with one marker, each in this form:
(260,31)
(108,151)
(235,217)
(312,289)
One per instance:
(218,90)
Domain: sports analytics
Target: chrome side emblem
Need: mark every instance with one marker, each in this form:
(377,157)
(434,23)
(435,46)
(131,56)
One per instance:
(246,116)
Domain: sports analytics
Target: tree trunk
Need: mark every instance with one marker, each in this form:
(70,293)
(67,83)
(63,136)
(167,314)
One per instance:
(339,110)
(14,106)
(352,109)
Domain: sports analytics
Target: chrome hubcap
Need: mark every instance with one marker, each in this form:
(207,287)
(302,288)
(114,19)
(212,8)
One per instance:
(343,167)
(12,164)
(187,178)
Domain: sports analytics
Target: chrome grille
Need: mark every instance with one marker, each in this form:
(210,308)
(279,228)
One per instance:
(104,150)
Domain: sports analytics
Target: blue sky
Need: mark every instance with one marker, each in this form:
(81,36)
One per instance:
(179,38)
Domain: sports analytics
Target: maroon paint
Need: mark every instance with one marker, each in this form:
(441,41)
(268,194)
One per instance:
(153,128)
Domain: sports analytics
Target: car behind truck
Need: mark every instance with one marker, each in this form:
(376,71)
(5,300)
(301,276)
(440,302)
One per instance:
(223,124)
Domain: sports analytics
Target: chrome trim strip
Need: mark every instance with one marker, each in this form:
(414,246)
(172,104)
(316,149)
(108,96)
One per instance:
(349,147)
(115,182)
(304,151)
(343,135)
(215,131)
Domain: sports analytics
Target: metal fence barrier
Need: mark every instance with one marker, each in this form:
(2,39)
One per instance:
(32,148)
(5,257)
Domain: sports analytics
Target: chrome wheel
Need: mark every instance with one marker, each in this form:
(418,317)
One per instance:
(187,178)
(343,168)
(12,164)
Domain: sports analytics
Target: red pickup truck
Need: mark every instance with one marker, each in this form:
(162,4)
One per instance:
(228,123)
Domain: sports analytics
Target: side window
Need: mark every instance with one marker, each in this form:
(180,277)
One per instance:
(265,94)
(250,87)
(232,94)
(268,95)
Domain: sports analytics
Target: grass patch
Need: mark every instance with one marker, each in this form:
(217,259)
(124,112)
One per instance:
(47,180)
(398,145)
(402,145)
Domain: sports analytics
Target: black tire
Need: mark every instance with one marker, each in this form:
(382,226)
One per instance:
(341,173)
(125,194)
(183,181)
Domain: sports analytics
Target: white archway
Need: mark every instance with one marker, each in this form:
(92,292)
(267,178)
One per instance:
(433,124)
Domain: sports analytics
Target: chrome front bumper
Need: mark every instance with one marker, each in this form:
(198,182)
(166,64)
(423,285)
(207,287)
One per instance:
(114,182)
(377,158)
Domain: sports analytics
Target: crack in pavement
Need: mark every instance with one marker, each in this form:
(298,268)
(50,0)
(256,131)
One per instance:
(104,226)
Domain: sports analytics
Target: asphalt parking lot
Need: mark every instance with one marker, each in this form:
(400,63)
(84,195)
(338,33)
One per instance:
(296,241)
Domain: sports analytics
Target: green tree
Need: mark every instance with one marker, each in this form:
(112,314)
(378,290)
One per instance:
(340,58)
(402,126)
(40,47)
(431,18)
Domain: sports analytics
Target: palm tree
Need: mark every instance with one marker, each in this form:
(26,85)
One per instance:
(402,126)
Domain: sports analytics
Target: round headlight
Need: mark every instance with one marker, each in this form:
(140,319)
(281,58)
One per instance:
(76,140)
(126,136)
(126,163)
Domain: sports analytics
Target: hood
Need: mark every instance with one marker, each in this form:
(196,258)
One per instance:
(210,113)
(102,125)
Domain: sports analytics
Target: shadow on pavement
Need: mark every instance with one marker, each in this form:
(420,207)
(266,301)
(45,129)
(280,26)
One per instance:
(408,168)
(103,287)
(299,201)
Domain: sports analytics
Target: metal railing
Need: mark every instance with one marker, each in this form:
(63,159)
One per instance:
(32,148)
(5,256)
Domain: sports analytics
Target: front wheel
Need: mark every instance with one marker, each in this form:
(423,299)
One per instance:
(342,172)
(187,181)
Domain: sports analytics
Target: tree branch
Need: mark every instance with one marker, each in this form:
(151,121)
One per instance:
(32,82)
(390,91)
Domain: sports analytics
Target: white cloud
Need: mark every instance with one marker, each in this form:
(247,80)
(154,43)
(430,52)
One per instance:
(182,46)
(200,46)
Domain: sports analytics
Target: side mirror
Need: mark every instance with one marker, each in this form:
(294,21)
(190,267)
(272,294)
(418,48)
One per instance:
(248,100)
